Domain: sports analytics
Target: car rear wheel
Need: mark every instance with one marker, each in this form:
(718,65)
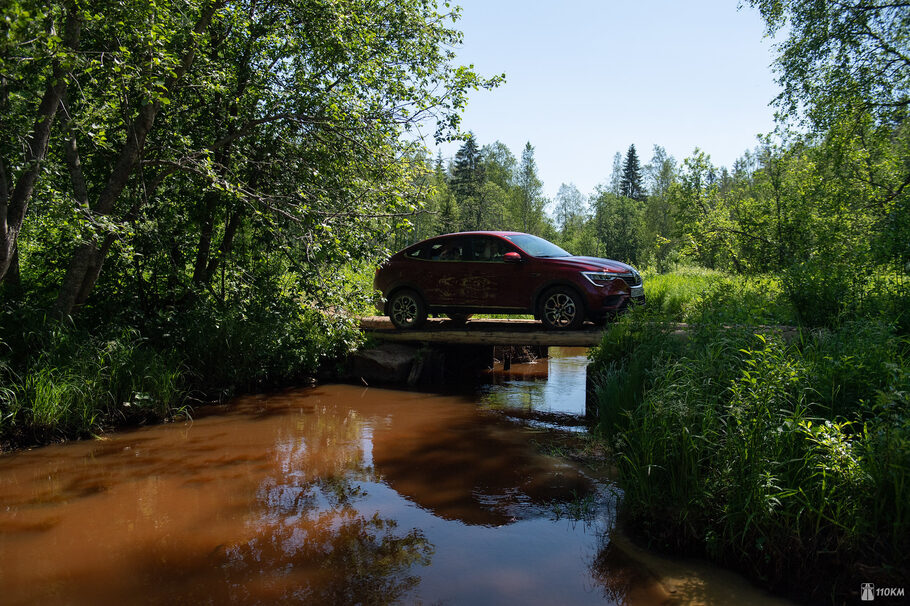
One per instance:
(561,309)
(407,309)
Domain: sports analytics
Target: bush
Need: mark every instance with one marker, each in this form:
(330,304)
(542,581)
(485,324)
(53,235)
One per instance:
(789,460)
(693,294)
(57,381)
(253,346)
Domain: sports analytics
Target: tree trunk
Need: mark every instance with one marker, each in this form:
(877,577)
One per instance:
(13,280)
(206,230)
(13,205)
(227,242)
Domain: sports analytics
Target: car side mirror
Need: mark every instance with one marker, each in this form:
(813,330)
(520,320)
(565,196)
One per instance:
(512,257)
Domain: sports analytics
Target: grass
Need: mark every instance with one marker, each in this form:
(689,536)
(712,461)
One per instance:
(788,460)
(79,384)
(680,296)
(58,381)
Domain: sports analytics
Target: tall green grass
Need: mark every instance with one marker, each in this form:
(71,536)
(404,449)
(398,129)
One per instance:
(789,460)
(61,381)
(681,296)
(78,384)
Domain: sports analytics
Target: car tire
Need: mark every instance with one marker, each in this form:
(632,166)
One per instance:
(407,309)
(561,309)
(459,318)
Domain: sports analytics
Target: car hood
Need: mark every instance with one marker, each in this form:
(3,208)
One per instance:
(593,264)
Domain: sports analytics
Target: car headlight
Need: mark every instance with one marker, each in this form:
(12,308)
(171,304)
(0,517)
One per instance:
(600,278)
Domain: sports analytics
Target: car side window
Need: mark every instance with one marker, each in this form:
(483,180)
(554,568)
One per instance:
(487,249)
(418,253)
(446,250)
(452,250)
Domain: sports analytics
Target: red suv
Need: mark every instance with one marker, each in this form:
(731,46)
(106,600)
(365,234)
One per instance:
(503,273)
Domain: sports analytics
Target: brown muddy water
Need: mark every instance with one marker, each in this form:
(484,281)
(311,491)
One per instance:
(335,494)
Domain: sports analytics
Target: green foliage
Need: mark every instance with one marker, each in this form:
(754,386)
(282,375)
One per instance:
(529,201)
(77,384)
(618,226)
(60,381)
(789,460)
(222,171)
(630,185)
(840,55)
(255,345)
(694,294)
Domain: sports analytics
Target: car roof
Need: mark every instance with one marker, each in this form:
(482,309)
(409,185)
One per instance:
(463,233)
(481,233)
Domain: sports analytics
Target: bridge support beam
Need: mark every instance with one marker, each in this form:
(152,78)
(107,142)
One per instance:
(419,363)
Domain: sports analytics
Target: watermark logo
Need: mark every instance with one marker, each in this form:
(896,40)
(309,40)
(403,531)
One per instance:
(868,592)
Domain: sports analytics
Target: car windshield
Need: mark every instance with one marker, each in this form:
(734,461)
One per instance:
(537,247)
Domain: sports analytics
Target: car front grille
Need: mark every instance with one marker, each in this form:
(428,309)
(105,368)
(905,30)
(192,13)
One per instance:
(631,279)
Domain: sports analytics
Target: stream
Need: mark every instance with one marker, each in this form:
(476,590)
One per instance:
(339,494)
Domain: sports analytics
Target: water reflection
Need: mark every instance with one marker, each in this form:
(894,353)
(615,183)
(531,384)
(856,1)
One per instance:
(309,527)
(476,473)
(549,392)
(328,495)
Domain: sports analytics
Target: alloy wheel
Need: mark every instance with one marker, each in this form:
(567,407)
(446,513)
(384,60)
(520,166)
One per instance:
(560,310)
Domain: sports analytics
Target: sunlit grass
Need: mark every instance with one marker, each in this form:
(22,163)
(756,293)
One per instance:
(680,295)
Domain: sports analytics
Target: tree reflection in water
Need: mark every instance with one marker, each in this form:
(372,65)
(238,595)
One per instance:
(310,543)
(619,577)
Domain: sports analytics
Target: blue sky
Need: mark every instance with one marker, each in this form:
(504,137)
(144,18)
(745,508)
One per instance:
(585,79)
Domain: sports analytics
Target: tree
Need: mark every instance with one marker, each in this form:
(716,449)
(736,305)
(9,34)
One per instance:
(618,226)
(467,171)
(630,184)
(841,56)
(616,175)
(846,65)
(176,59)
(283,121)
(660,230)
(660,172)
(468,176)
(54,50)
(569,208)
(499,164)
(529,200)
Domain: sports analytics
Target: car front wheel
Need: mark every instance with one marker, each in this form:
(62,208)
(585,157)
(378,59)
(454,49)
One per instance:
(407,309)
(561,309)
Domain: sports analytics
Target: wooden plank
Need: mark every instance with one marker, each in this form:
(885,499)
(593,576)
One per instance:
(483,332)
(549,339)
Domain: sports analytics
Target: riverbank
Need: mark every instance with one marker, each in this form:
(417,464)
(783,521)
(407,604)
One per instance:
(59,381)
(788,461)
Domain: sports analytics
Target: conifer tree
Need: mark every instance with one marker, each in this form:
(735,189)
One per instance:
(530,200)
(630,184)
(467,173)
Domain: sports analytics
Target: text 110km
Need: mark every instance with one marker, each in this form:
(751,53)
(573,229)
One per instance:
(868,592)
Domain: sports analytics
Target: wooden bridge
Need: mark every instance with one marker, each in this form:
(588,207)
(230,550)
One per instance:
(483,332)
